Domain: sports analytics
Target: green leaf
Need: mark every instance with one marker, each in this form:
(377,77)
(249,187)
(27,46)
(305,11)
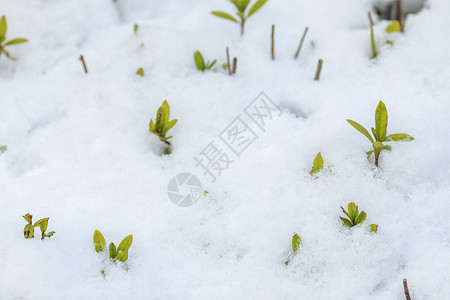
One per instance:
(361,129)
(3,28)
(152,127)
(296,242)
(394,27)
(373,227)
(28,218)
(387,147)
(3,149)
(140,72)
(123,256)
(361,217)
(374,133)
(372,40)
(369,153)
(199,62)
(381,121)
(166,108)
(346,222)
(42,223)
(136,28)
(112,251)
(224,15)
(28,231)
(209,66)
(16,41)
(353,212)
(50,234)
(99,241)
(169,126)
(256,7)
(346,213)
(125,244)
(398,137)
(317,164)
(160,120)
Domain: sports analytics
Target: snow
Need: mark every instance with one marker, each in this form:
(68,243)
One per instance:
(79,152)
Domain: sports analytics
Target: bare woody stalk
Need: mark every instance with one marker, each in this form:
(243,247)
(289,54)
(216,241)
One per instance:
(301,43)
(273,42)
(319,69)
(228,62)
(84,64)
(398,10)
(370,18)
(234,65)
(405,287)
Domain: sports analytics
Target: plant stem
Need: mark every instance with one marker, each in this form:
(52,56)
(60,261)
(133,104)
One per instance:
(398,8)
(84,64)
(228,62)
(301,43)
(242,26)
(234,65)
(319,69)
(273,42)
(377,156)
(405,287)
(372,37)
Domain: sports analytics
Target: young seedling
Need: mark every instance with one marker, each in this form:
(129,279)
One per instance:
(317,164)
(372,37)
(163,124)
(3,149)
(354,216)
(4,43)
(136,28)
(296,243)
(241,6)
(379,133)
(116,254)
(200,62)
(28,231)
(140,72)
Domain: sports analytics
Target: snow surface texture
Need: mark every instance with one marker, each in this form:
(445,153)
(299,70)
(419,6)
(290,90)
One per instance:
(79,152)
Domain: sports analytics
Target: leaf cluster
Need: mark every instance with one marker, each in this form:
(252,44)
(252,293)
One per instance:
(119,253)
(380,132)
(162,123)
(3,42)
(200,62)
(354,216)
(28,230)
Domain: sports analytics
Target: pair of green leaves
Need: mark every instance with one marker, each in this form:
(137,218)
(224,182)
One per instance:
(3,44)
(354,216)
(28,230)
(241,6)
(200,62)
(380,132)
(163,123)
(296,244)
(119,253)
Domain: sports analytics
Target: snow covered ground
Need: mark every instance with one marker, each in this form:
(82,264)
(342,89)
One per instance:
(79,152)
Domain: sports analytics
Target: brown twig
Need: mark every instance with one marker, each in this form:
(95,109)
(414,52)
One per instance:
(370,18)
(405,287)
(319,68)
(301,43)
(228,62)
(398,8)
(273,42)
(234,65)
(84,64)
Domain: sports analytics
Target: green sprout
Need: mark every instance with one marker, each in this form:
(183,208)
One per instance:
(140,72)
(372,37)
(116,254)
(3,43)
(163,124)
(354,216)
(296,243)
(317,164)
(28,230)
(200,62)
(136,28)
(394,27)
(3,149)
(241,6)
(379,133)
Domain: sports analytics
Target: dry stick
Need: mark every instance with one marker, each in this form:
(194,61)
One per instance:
(398,8)
(234,65)
(405,287)
(319,68)
(228,62)
(273,42)
(301,43)
(370,18)
(84,64)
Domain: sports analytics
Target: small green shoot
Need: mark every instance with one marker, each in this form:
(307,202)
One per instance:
(3,43)
(140,72)
(200,62)
(317,164)
(116,254)
(394,27)
(373,227)
(296,243)
(28,231)
(354,216)
(372,38)
(241,6)
(136,28)
(379,133)
(163,124)
(3,149)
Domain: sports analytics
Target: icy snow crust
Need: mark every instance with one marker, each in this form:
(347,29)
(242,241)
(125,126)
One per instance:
(79,152)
